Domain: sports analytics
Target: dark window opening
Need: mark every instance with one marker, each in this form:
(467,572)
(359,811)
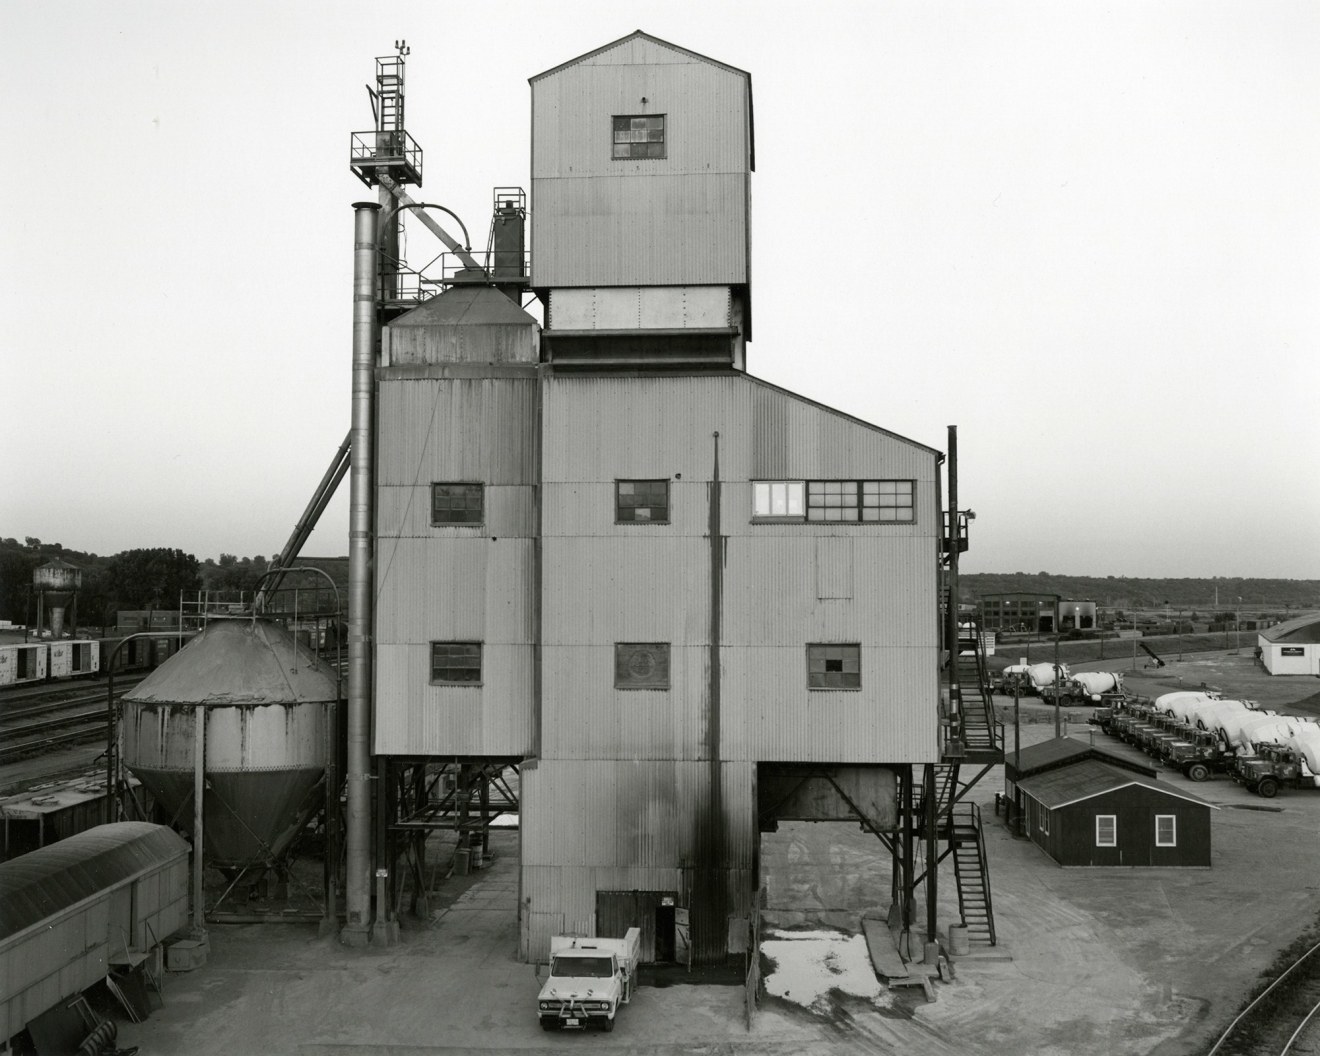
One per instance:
(639,136)
(457,503)
(645,501)
(456,663)
(834,666)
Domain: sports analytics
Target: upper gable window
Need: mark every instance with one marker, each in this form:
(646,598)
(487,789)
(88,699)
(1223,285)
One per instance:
(639,136)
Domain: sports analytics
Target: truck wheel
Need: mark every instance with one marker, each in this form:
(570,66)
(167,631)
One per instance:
(1268,787)
(607,1024)
(1198,772)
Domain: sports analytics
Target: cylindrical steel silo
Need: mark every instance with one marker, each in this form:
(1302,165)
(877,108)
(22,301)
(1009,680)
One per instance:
(267,705)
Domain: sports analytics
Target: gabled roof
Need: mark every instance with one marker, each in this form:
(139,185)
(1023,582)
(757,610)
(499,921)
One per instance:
(1090,778)
(688,53)
(1061,751)
(1302,631)
(43,882)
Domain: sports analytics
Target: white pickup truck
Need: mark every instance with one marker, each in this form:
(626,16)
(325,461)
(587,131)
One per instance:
(589,980)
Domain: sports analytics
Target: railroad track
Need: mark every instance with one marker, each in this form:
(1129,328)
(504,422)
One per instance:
(1284,1019)
(39,723)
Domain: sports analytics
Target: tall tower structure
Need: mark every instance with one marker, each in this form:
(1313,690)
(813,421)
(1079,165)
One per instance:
(642,155)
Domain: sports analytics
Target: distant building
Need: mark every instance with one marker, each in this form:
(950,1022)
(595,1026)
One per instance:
(1291,648)
(1030,613)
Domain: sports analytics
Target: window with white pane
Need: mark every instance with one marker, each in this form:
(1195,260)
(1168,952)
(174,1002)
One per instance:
(779,498)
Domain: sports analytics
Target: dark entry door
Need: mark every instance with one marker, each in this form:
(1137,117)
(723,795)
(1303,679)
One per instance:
(651,911)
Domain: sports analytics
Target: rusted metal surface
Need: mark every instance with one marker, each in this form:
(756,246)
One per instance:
(416,718)
(480,429)
(465,324)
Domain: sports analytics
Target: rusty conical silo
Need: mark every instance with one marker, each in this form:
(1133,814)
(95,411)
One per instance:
(267,703)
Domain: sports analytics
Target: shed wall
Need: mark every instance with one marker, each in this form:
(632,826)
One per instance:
(1071,839)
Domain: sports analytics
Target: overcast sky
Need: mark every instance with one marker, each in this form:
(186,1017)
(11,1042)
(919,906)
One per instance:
(1088,234)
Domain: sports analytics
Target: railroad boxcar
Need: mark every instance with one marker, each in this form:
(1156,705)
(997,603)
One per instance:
(22,662)
(76,909)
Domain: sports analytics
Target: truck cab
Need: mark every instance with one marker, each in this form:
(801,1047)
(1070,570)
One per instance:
(589,980)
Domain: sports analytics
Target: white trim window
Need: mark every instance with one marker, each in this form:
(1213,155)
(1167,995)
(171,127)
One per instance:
(1106,830)
(779,498)
(1166,830)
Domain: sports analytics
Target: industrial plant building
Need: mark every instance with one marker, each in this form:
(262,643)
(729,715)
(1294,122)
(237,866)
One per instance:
(667,592)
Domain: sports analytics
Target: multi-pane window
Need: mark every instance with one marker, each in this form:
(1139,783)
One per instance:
(1166,830)
(457,503)
(832,666)
(639,136)
(779,498)
(456,663)
(876,501)
(641,665)
(641,500)
(1106,830)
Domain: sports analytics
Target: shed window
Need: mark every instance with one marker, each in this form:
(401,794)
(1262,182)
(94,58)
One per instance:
(1106,830)
(832,666)
(641,665)
(639,136)
(641,501)
(456,663)
(457,503)
(1166,830)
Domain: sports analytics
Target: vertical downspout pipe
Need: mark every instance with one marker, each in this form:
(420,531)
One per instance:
(357,880)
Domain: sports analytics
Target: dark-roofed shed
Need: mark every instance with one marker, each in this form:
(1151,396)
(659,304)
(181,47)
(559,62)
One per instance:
(1089,812)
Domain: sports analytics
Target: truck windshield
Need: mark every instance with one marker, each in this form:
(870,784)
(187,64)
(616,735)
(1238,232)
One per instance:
(582,967)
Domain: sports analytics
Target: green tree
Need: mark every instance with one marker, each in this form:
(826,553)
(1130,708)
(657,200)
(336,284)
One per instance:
(153,578)
(15,582)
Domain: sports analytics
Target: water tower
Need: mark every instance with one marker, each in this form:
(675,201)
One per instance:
(57,584)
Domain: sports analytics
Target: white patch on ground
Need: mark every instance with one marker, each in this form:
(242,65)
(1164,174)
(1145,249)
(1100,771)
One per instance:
(810,964)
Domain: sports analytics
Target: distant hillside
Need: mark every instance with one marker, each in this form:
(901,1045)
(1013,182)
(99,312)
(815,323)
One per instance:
(1123,592)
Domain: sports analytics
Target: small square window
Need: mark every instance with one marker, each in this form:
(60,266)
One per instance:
(641,665)
(834,666)
(456,663)
(457,503)
(1106,830)
(639,136)
(1166,830)
(644,501)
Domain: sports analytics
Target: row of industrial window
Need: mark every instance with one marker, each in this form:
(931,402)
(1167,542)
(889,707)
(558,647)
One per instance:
(645,665)
(647,501)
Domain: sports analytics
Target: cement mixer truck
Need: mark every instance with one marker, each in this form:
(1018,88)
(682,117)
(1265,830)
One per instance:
(1291,763)
(1094,685)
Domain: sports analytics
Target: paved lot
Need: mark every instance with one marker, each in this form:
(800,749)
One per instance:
(1103,961)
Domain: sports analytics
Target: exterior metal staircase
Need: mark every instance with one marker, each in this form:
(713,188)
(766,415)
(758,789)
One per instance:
(972,873)
(980,732)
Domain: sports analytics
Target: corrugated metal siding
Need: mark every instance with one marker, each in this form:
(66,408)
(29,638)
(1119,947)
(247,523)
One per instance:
(597,221)
(453,589)
(414,717)
(706,120)
(585,717)
(770,715)
(659,230)
(481,343)
(645,307)
(606,826)
(586,511)
(834,567)
(457,429)
(404,512)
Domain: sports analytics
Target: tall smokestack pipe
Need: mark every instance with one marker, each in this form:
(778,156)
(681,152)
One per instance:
(358,764)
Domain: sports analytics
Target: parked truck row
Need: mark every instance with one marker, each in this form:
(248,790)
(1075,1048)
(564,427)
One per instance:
(1201,734)
(1039,680)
